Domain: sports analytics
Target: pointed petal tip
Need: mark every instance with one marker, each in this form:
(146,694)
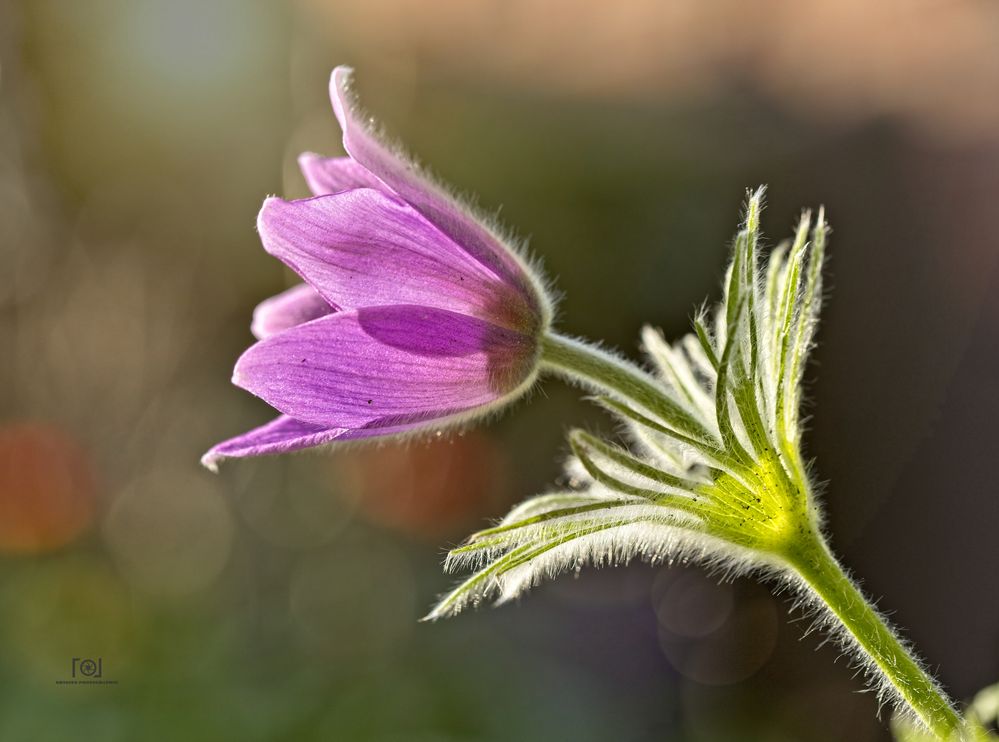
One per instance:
(211,460)
(267,208)
(329,175)
(281,435)
(238,378)
(340,80)
(307,162)
(259,329)
(341,76)
(285,310)
(271,202)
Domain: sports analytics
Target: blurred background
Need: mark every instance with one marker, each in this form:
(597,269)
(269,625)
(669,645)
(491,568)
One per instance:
(280,598)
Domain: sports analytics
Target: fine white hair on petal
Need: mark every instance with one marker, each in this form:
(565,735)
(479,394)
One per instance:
(342,82)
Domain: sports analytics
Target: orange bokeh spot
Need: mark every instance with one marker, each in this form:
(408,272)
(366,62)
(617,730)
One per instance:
(425,488)
(47,490)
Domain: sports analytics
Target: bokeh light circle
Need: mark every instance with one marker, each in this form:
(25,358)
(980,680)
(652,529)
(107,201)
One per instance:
(47,488)
(170,533)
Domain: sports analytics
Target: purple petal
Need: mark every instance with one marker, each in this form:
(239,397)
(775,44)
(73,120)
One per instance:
(282,435)
(285,434)
(362,248)
(440,209)
(289,308)
(390,368)
(326,175)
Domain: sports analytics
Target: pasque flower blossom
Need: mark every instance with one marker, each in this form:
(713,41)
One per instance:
(415,313)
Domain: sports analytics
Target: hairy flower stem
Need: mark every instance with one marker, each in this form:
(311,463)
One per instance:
(816,565)
(801,548)
(597,369)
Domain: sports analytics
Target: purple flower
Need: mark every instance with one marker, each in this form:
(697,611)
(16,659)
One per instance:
(414,315)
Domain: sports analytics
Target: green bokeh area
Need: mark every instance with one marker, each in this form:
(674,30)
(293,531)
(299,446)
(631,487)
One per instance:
(280,599)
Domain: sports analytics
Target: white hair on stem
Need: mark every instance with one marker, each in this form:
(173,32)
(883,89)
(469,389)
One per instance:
(712,473)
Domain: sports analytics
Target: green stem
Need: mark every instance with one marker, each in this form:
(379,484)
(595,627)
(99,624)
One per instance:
(816,565)
(586,364)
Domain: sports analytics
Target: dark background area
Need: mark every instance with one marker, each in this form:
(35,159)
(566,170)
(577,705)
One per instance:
(280,598)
